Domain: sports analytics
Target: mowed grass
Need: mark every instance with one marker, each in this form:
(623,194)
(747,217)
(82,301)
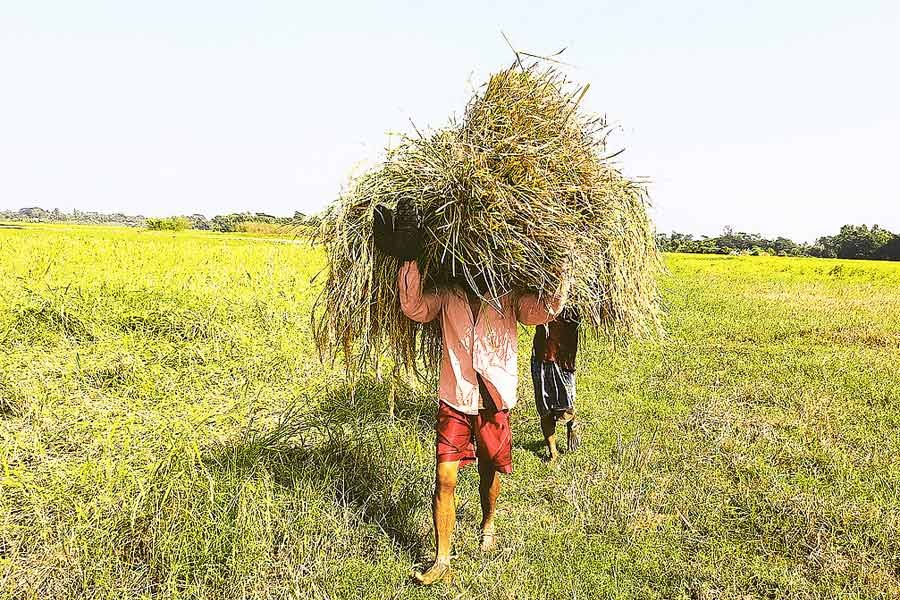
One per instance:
(167,430)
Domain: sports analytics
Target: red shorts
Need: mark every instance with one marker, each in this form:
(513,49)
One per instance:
(485,436)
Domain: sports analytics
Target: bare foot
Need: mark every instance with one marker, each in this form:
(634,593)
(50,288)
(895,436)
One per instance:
(573,436)
(439,571)
(488,539)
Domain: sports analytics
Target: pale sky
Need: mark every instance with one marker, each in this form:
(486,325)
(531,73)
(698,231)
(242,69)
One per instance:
(778,117)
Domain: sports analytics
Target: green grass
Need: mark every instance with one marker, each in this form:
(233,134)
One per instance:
(166,430)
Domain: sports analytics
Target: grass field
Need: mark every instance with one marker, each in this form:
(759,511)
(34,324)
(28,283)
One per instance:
(167,430)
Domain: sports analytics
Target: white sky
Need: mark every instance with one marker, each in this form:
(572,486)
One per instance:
(779,117)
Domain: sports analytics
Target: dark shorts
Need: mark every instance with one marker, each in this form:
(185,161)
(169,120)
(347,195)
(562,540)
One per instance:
(485,436)
(554,388)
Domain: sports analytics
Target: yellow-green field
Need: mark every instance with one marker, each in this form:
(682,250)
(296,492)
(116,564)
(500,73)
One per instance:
(166,430)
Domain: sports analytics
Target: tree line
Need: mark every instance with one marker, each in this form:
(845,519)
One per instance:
(234,222)
(36,214)
(224,223)
(852,241)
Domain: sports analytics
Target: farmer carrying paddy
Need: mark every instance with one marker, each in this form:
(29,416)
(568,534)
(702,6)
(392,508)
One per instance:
(478,378)
(553,374)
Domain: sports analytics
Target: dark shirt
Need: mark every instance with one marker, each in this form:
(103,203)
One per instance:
(557,341)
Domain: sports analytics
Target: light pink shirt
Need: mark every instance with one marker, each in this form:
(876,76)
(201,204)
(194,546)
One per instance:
(484,344)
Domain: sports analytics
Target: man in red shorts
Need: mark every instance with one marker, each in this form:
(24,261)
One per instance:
(478,382)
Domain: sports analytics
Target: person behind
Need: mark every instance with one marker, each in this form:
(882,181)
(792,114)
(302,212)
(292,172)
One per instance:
(553,374)
(478,379)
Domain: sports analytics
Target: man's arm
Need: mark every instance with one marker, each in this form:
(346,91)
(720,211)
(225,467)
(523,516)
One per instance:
(416,304)
(531,310)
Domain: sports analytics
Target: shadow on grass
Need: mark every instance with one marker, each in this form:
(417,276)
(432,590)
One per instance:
(349,446)
(536,446)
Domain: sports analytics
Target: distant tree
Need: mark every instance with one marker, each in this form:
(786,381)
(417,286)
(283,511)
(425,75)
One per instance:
(786,247)
(890,250)
(169,224)
(199,222)
(228,223)
(855,241)
(677,242)
(823,248)
(709,246)
(34,213)
(662,243)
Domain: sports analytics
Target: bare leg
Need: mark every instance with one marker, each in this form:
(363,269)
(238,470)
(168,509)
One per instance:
(573,429)
(488,490)
(573,435)
(443,508)
(548,427)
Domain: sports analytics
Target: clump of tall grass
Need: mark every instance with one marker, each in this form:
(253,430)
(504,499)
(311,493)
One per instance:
(519,192)
(9,403)
(43,317)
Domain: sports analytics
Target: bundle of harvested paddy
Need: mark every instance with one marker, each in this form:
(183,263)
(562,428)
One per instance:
(516,193)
